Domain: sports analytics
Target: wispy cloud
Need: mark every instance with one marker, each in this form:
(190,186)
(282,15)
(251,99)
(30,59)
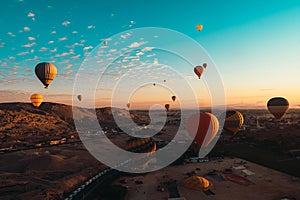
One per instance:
(31,38)
(62,54)
(66,23)
(23,53)
(91,27)
(26,28)
(62,39)
(11,34)
(124,36)
(51,42)
(31,15)
(136,44)
(43,49)
(147,49)
(68,66)
(87,48)
(29,45)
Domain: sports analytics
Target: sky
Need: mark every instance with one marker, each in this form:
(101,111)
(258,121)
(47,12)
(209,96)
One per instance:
(254,45)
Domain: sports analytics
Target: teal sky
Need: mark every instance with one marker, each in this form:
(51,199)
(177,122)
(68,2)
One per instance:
(255,44)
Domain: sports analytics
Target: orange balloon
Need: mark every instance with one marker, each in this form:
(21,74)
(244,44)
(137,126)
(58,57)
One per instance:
(199,27)
(204,127)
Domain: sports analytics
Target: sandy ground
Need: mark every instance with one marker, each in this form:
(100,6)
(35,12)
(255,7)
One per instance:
(268,184)
(45,173)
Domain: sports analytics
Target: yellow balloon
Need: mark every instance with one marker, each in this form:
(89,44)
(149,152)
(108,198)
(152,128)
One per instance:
(36,100)
(199,27)
(197,183)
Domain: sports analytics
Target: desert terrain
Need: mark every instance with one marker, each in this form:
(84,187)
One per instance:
(42,157)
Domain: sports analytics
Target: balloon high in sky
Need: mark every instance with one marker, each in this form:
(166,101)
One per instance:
(46,73)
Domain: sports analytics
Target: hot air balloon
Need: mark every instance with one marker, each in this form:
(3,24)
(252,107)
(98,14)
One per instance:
(278,107)
(154,84)
(202,127)
(204,65)
(105,43)
(199,70)
(140,145)
(233,121)
(79,97)
(36,100)
(128,105)
(46,72)
(197,183)
(165,81)
(167,106)
(173,98)
(199,27)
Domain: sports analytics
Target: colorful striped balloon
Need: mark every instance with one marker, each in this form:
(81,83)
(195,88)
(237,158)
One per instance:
(278,106)
(233,121)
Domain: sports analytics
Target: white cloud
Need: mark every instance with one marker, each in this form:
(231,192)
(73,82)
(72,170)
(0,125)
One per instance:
(31,38)
(43,49)
(75,57)
(53,50)
(30,14)
(112,50)
(74,32)
(23,53)
(26,28)
(87,48)
(91,26)
(155,62)
(136,44)
(11,34)
(140,53)
(62,39)
(147,49)
(51,42)
(62,54)
(68,66)
(53,32)
(124,36)
(29,45)
(66,23)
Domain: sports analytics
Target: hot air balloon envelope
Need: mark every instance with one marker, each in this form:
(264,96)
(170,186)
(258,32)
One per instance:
(233,121)
(36,100)
(278,106)
(198,70)
(203,128)
(199,27)
(167,106)
(173,98)
(46,72)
